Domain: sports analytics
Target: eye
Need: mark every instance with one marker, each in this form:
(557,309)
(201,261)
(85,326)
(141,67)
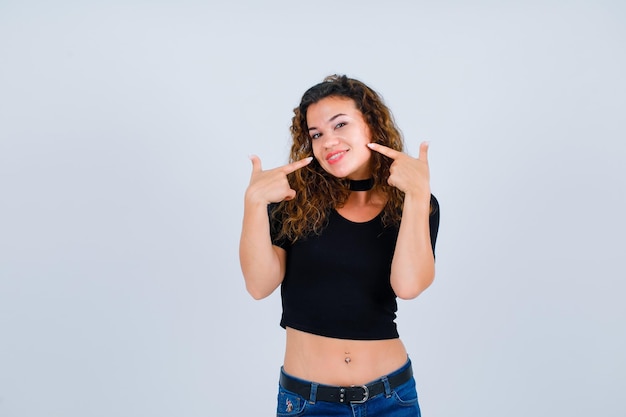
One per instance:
(315,135)
(339,125)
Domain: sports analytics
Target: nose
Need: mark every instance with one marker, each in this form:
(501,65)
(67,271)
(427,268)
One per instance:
(330,140)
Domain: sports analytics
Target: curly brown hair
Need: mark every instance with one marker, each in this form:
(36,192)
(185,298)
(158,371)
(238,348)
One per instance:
(317,192)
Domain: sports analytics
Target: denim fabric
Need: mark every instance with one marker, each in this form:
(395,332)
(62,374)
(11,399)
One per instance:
(398,402)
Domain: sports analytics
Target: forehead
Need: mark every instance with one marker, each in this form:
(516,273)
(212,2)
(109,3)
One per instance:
(329,107)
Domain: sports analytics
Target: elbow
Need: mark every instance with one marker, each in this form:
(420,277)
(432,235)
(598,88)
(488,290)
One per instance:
(256,292)
(257,296)
(411,290)
(260,287)
(410,293)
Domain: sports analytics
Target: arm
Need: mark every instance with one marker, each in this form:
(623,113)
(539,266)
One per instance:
(413,264)
(263,264)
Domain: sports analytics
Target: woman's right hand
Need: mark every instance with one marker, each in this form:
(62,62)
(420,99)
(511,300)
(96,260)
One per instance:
(272,186)
(262,263)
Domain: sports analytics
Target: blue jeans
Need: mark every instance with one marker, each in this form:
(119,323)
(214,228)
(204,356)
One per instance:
(400,401)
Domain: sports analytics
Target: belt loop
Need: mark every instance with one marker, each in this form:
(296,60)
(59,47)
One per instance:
(313,395)
(387,387)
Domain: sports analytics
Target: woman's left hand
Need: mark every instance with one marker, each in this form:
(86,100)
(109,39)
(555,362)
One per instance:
(409,175)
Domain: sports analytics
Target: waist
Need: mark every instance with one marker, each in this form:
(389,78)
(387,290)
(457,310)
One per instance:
(313,391)
(341,361)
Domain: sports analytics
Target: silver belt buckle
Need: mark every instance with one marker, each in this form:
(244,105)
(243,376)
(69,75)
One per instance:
(366,395)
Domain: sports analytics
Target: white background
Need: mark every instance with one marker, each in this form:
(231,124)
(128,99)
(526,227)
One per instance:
(125,131)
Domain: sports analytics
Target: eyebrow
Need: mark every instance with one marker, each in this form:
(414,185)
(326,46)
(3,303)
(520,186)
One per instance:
(329,120)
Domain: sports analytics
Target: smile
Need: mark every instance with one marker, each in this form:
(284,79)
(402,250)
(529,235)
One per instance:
(335,156)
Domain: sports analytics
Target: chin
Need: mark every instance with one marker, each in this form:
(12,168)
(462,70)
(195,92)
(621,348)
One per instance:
(340,175)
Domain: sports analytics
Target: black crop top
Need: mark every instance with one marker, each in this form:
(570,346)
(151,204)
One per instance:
(337,283)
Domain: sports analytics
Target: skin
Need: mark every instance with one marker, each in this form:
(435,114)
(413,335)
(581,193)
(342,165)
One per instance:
(342,144)
(339,137)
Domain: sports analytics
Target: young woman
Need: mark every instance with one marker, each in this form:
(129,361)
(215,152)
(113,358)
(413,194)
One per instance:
(344,228)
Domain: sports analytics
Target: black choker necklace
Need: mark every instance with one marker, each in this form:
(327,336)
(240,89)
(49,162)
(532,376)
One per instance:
(361,185)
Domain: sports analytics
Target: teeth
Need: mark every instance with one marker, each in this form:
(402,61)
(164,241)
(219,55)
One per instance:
(335,156)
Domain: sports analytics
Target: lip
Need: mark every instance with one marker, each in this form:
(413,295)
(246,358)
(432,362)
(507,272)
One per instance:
(334,157)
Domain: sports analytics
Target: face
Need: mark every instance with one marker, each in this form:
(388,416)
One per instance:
(339,136)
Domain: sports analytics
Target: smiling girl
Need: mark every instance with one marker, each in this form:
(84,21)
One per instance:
(344,228)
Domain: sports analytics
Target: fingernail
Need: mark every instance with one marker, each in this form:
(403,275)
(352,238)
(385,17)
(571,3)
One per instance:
(371,145)
(309,159)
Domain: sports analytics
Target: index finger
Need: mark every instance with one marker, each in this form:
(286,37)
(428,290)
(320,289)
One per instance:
(424,151)
(388,152)
(294,166)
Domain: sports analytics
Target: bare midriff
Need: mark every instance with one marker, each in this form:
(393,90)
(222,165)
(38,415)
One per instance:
(341,362)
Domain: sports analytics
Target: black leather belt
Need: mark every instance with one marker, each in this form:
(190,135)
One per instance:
(354,394)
